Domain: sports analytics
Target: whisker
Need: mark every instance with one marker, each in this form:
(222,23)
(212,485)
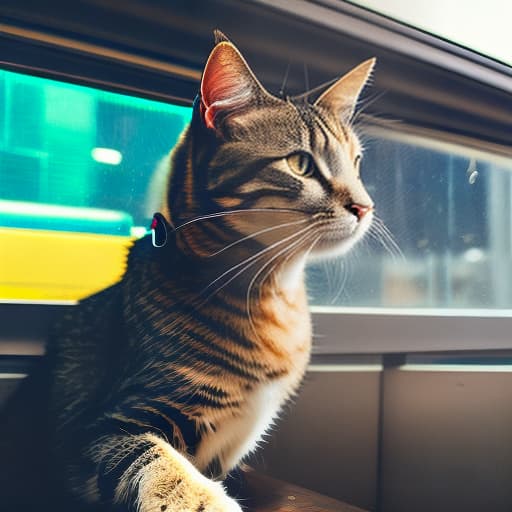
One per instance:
(332,274)
(253,235)
(288,257)
(368,102)
(364,120)
(233,212)
(248,262)
(380,235)
(285,80)
(344,279)
(387,233)
(381,223)
(306,78)
(392,242)
(295,245)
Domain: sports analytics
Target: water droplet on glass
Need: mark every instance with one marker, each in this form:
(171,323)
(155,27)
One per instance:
(471,172)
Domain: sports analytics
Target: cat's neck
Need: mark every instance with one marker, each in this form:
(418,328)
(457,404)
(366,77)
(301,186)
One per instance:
(274,312)
(237,277)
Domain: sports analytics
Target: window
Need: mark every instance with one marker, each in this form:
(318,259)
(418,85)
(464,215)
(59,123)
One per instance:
(79,160)
(75,166)
(69,145)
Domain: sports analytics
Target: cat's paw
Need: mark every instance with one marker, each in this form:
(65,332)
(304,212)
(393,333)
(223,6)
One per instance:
(187,496)
(214,499)
(172,483)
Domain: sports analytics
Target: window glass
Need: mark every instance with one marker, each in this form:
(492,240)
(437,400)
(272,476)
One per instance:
(76,164)
(443,238)
(75,167)
(88,153)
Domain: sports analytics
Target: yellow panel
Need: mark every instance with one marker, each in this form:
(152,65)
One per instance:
(52,265)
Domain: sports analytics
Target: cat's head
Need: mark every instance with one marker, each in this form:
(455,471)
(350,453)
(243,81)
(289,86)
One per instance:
(293,165)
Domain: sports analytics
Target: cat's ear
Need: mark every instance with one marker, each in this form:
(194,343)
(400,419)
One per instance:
(341,97)
(228,85)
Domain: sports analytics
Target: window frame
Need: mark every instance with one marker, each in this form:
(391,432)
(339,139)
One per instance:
(409,330)
(381,30)
(345,332)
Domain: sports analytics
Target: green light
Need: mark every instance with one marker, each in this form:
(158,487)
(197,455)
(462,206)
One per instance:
(58,142)
(97,94)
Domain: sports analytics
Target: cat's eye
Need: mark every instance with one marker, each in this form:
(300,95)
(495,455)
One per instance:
(301,163)
(357,160)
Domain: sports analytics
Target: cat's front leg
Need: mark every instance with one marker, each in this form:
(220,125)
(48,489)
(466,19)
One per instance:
(147,474)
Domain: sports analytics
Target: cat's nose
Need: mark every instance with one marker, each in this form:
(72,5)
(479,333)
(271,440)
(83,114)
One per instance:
(359,210)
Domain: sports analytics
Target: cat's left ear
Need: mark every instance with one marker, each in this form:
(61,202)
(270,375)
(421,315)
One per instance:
(228,85)
(341,97)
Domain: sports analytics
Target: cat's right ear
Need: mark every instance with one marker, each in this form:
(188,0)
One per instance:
(341,97)
(228,86)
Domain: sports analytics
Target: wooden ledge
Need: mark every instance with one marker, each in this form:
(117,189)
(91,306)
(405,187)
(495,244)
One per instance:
(261,493)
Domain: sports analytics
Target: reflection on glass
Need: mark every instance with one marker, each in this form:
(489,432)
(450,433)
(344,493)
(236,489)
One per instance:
(449,212)
(63,144)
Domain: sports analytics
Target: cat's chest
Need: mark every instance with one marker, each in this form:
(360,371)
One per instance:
(238,432)
(280,331)
(283,334)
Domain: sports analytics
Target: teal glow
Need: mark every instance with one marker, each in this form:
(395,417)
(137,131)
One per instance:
(68,145)
(20,214)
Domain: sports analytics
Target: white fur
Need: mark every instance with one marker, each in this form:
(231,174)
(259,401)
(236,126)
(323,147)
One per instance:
(238,434)
(342,247)
(291,277)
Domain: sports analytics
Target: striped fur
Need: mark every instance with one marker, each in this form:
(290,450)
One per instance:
(174,374)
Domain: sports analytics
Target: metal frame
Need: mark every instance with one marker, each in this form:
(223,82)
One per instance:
(41,54)
(381,330)
(152,49)
(382,31)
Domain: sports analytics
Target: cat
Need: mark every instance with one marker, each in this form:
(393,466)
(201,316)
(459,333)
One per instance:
(152,390)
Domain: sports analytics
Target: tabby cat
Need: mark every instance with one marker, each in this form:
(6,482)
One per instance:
(155,388)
